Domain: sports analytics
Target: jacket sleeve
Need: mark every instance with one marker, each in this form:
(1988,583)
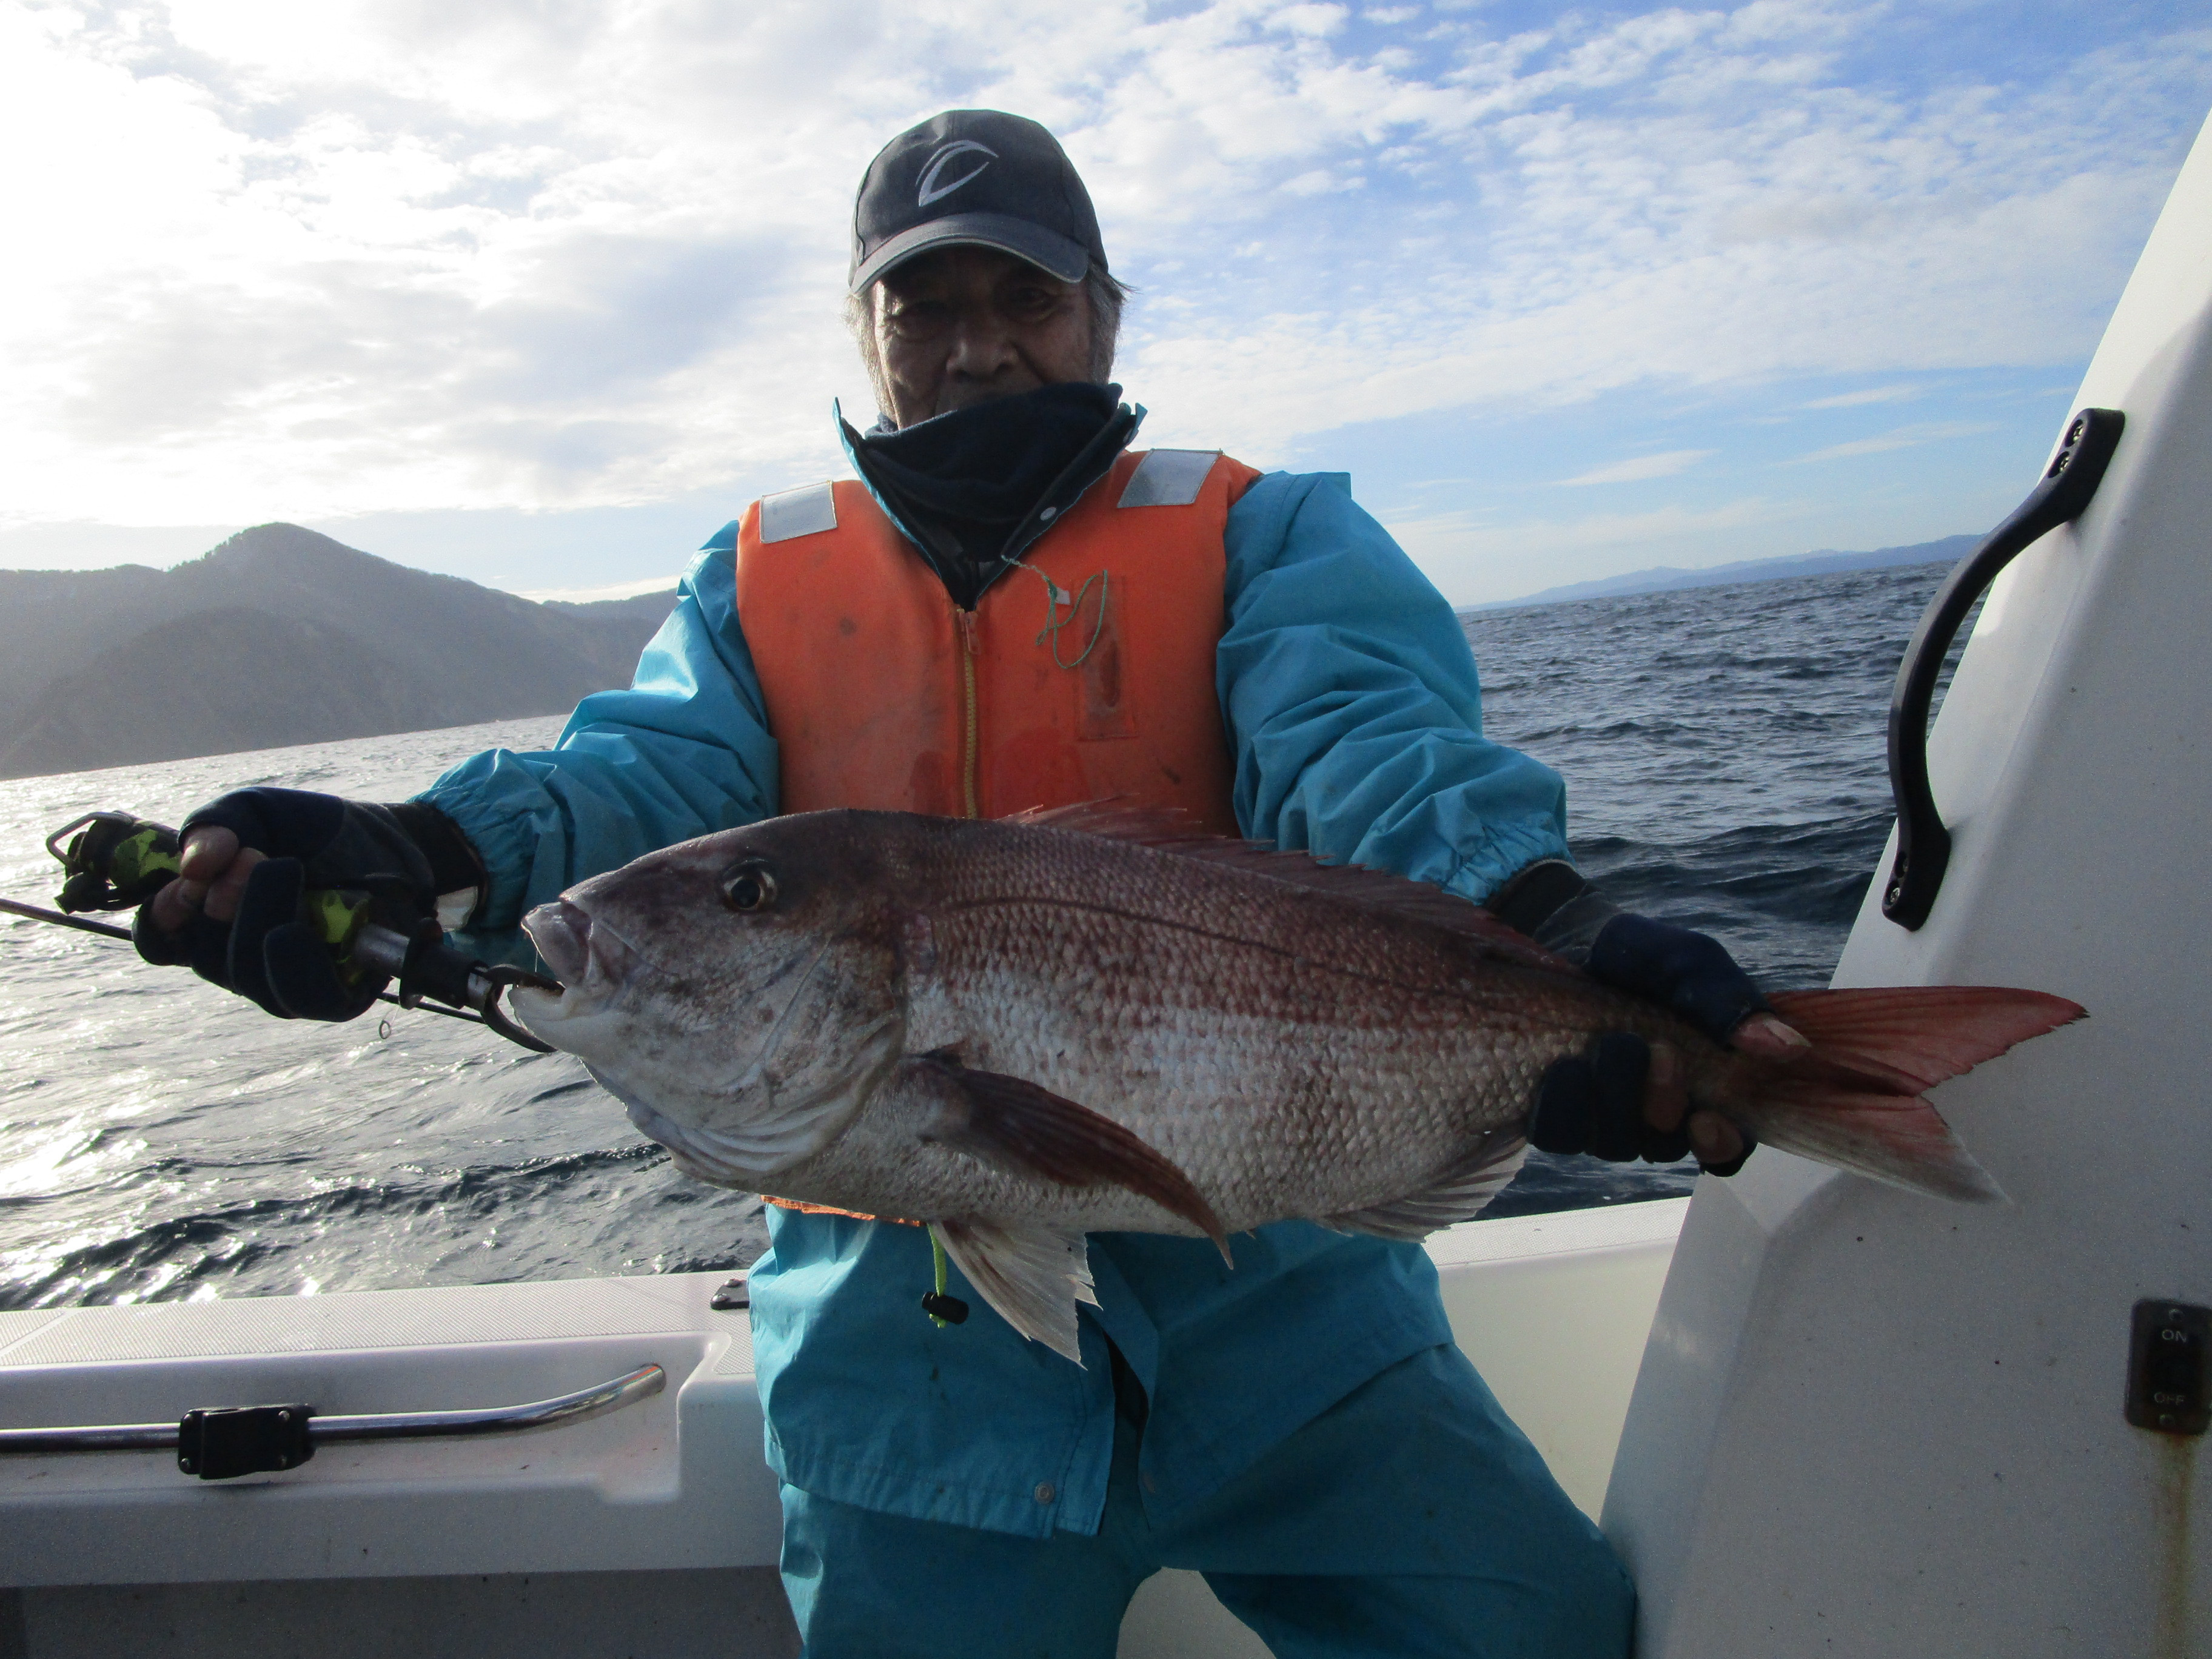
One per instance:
(1352,703)
(685,750)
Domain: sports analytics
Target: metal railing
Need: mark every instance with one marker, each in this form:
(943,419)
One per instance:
(220,1443)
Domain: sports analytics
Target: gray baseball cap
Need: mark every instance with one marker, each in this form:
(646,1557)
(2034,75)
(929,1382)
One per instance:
(979,177)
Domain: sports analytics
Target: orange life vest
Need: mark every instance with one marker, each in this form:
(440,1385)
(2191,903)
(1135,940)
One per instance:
(1087,674)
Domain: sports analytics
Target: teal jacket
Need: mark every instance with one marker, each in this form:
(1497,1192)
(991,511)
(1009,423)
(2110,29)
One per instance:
(1355,716)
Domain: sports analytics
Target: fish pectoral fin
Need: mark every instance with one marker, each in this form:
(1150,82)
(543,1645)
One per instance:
(1015,1125)
(1457,1193)
(1033,1276)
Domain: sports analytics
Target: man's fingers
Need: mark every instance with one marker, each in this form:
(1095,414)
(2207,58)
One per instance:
(175,905)
(207,852)
(222,893)
(1714,1139)
(1764,1034)
(1666,1093)
(205,855)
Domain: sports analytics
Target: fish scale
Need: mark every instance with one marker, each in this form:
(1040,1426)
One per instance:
(1023,1032)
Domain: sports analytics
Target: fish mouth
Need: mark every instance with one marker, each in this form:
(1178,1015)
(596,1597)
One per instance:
(591,960)
(562,933)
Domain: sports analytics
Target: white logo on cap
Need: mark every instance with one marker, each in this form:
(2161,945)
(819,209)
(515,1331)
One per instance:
(943,157)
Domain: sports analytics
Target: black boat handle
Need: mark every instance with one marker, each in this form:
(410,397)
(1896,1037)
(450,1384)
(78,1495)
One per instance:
(1924,845)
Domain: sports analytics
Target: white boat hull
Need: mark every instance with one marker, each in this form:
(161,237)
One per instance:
(652,1528)
(1872,1425)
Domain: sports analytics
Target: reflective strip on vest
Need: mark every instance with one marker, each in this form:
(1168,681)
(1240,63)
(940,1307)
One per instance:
(1169,477)
(1088,674)
(796,512)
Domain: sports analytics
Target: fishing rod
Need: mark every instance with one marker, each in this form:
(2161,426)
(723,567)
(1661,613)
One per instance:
(109,930)
(117,861)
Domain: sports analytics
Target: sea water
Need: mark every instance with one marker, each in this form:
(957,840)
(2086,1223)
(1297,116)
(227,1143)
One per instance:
(160,1139)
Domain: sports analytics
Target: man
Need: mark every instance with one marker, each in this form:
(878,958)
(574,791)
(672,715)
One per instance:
(1010,609)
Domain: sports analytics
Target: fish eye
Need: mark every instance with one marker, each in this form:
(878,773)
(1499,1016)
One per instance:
(749,887)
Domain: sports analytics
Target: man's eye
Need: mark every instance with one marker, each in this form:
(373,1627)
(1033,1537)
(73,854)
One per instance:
(919,317)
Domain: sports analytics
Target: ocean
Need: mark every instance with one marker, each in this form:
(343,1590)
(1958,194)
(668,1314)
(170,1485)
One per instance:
(163,1140)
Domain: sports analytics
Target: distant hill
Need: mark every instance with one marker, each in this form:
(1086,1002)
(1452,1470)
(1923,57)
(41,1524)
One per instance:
(1662,578)
(279,637)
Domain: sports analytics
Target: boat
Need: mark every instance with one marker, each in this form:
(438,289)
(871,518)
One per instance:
(1815,1414)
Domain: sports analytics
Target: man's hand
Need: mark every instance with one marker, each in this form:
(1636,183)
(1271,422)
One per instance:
(1627,1098)
(240,913)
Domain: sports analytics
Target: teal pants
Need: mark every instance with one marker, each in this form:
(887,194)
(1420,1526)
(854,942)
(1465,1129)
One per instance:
(1412,1518)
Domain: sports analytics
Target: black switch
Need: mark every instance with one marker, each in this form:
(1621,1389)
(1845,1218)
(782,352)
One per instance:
(2169,1382)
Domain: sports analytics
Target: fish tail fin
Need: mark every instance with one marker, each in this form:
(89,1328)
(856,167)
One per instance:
(1854,1101)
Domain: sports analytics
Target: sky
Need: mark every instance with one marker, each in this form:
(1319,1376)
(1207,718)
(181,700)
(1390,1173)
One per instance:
(541,294)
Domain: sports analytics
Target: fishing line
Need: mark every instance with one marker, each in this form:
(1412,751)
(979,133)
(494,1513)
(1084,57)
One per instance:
(1055,596)
(109,930)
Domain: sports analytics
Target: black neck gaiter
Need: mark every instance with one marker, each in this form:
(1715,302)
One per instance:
(969,487)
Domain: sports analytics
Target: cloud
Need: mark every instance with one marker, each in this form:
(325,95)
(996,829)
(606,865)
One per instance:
(1903,392)
(1641,467)
(383,255)
(630,590)
(1902,437)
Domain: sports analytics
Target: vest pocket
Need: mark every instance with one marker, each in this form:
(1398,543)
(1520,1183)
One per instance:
(1103,709)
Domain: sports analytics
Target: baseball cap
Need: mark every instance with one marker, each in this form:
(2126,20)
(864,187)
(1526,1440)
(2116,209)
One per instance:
(975,176)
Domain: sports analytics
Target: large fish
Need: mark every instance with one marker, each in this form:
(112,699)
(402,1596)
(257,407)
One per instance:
(1022,1032)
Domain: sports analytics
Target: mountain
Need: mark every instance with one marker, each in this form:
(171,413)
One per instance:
(1662,578)
(279,637)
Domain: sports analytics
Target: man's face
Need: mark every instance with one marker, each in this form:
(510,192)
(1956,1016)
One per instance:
(961,325)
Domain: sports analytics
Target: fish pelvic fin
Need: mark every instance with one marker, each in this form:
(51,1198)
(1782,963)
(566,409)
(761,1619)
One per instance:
(1458,1194)
(1025,1129)
(1854,1101)
(1032,1276)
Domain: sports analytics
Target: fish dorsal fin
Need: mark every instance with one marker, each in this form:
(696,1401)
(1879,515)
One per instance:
(1167,829)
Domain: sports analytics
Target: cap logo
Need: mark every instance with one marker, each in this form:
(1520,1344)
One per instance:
(943,157)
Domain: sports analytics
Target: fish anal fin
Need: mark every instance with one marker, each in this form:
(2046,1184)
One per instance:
(1166,829)
(1020,1126)
(1458,1192)
(1032,1276)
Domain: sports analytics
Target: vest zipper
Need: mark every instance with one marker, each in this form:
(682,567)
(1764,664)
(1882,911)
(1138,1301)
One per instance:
(964,625)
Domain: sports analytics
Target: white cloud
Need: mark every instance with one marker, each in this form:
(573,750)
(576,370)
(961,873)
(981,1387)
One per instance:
(608,591)
(1901,392)
(381,255)
(1637,468)
(1902,437)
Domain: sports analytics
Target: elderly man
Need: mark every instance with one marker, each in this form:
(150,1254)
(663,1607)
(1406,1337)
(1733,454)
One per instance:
(1010,609)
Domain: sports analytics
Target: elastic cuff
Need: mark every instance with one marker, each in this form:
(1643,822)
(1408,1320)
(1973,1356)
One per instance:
(1554,905)
(1527,898)
(454,865)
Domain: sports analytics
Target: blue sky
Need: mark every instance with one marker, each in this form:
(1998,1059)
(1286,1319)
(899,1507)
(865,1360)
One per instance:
(541,294)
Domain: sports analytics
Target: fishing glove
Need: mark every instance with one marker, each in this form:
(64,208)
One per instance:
(275,951)
(1593,1103)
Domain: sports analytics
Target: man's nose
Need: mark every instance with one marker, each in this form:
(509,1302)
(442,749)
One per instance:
(981,347)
